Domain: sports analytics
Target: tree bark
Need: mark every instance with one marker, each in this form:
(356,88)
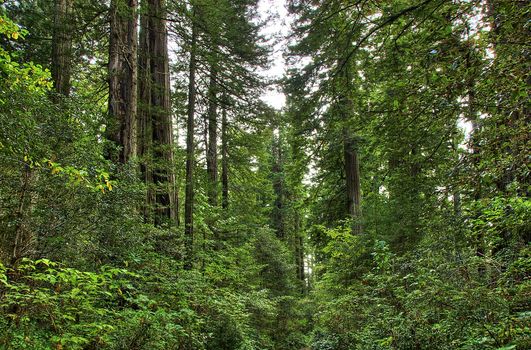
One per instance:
(224,158)
(299,253)
(212,151)
(352,177)
(145,133)
(123,73)
(351,161)
(190,157)
(62,47)
(23,242)
(278,187)
(350,154)
(163,176)
(156,122)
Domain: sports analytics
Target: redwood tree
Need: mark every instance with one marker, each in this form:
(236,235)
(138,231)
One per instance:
(155,120)
(123,94)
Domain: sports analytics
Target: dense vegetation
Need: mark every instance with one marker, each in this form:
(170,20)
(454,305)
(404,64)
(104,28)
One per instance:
(149,199)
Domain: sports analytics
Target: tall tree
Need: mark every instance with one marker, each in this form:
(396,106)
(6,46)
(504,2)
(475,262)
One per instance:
(123,75)
(351,162)
(190,148)
(62,46)
(224,156)
(212,149)
(156,120)
(277,173)
(144,130)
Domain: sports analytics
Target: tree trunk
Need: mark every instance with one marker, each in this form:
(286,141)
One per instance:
(212,151)
(190,157)
(476,155)
(299,253)
(145,133)
(224,159)
(23,243)
(123,76)
(156,122)
(163,176)
(352,177)
(62,47)
(278,187)
(350,154)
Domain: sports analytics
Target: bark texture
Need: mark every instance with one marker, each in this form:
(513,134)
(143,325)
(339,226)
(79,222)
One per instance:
(123,75)
(23,243)
(212,151)
(352,177)
(278,188)
(145,134)
(224,159)
(155,122)
(350,157)
(62,47)
(190,156)
(351,165)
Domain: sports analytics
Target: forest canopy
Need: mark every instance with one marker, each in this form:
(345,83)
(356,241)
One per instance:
(152,198)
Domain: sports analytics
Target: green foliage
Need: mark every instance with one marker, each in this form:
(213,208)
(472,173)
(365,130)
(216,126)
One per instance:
(50,306)
(423,300)
(439,131)
(16,75)
(432,97)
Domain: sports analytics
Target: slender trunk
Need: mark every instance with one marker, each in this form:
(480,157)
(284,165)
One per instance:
(278,188)
(224,159)
(212,151)
(299,253)
(302,275)
(295,178)
(23,240)
(123,76)
(62,47)
(457,203)
(205,135)
(145,133)
(476,157)
(456,195)
(190,158)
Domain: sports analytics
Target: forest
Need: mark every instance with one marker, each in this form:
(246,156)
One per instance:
(153,197)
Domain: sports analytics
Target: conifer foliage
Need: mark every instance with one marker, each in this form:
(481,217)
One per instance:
(151,199)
